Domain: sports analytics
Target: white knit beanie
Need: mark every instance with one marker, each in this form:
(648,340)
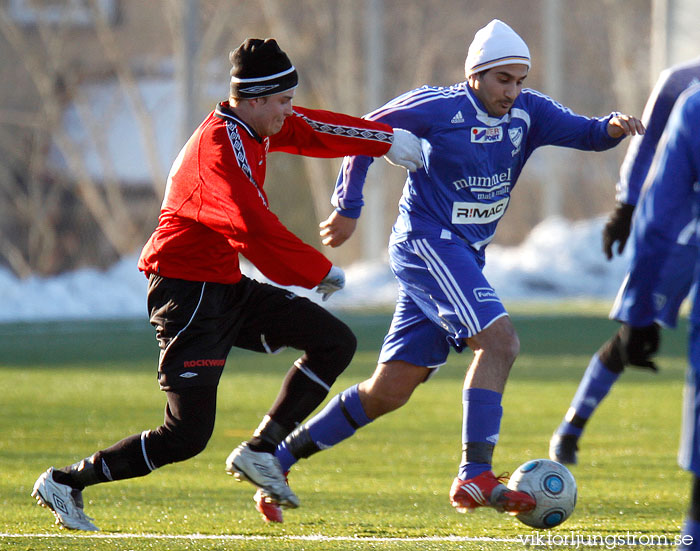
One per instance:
(493,45)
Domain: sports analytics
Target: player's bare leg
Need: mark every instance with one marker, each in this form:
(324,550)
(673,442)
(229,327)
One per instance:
(495,349)
(390,386)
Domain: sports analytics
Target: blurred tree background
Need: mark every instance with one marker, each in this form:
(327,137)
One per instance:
(97,97)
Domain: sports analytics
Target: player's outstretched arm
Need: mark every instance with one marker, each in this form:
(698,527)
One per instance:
(334,281)
(337,229)
(625,125)
(405,151)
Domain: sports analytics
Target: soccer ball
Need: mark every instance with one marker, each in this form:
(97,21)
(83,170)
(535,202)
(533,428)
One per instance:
(553,487)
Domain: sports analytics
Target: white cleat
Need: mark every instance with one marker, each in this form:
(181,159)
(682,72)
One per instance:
(65,502)
(264,471)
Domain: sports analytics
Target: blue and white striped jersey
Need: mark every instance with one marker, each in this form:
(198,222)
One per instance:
(472,161)
(671,186)
(671,83)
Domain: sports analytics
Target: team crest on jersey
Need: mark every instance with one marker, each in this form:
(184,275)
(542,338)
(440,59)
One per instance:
(486,135)
(516,136)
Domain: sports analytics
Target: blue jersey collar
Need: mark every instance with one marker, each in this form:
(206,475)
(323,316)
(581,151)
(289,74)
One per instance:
(481,113)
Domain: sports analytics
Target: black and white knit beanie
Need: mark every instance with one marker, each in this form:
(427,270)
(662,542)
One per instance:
(260,68)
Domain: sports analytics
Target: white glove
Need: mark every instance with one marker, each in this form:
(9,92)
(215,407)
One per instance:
(334,281)
(406,150)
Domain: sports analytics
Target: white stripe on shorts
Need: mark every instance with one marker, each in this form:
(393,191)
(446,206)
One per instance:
(311,375)
(194,313)
(449,286)
(146,459)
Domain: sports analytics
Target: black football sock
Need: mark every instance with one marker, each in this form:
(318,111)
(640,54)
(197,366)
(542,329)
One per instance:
(80,474)
(302,391)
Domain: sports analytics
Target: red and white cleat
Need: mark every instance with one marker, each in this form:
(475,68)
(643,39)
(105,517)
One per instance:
(267,507)
(487,490)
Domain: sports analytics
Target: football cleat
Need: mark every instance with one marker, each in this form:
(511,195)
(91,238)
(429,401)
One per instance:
(65,502)
(267,507)
(487,490)
(263,470)
(563,448)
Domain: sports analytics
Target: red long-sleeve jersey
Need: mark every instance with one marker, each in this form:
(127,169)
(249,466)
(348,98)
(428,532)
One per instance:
(215,207)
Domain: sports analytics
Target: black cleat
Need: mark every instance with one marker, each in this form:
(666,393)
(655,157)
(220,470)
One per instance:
(563,448)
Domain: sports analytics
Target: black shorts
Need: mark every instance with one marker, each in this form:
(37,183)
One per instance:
(197,324)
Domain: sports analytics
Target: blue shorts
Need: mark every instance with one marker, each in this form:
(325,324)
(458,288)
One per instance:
(675,281)
(443,299)
(689,452)
(674,284)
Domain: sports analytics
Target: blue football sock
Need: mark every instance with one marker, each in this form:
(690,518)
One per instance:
(594,386)
(481,424)
(690,536)
(285,457)
(339,420)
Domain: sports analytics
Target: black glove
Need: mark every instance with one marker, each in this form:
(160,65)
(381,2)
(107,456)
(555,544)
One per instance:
(639,344)
(617,229)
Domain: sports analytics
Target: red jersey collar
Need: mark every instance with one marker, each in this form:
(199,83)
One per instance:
(223,111)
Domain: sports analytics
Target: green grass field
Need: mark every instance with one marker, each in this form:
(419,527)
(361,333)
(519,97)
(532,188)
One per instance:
(69,389)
